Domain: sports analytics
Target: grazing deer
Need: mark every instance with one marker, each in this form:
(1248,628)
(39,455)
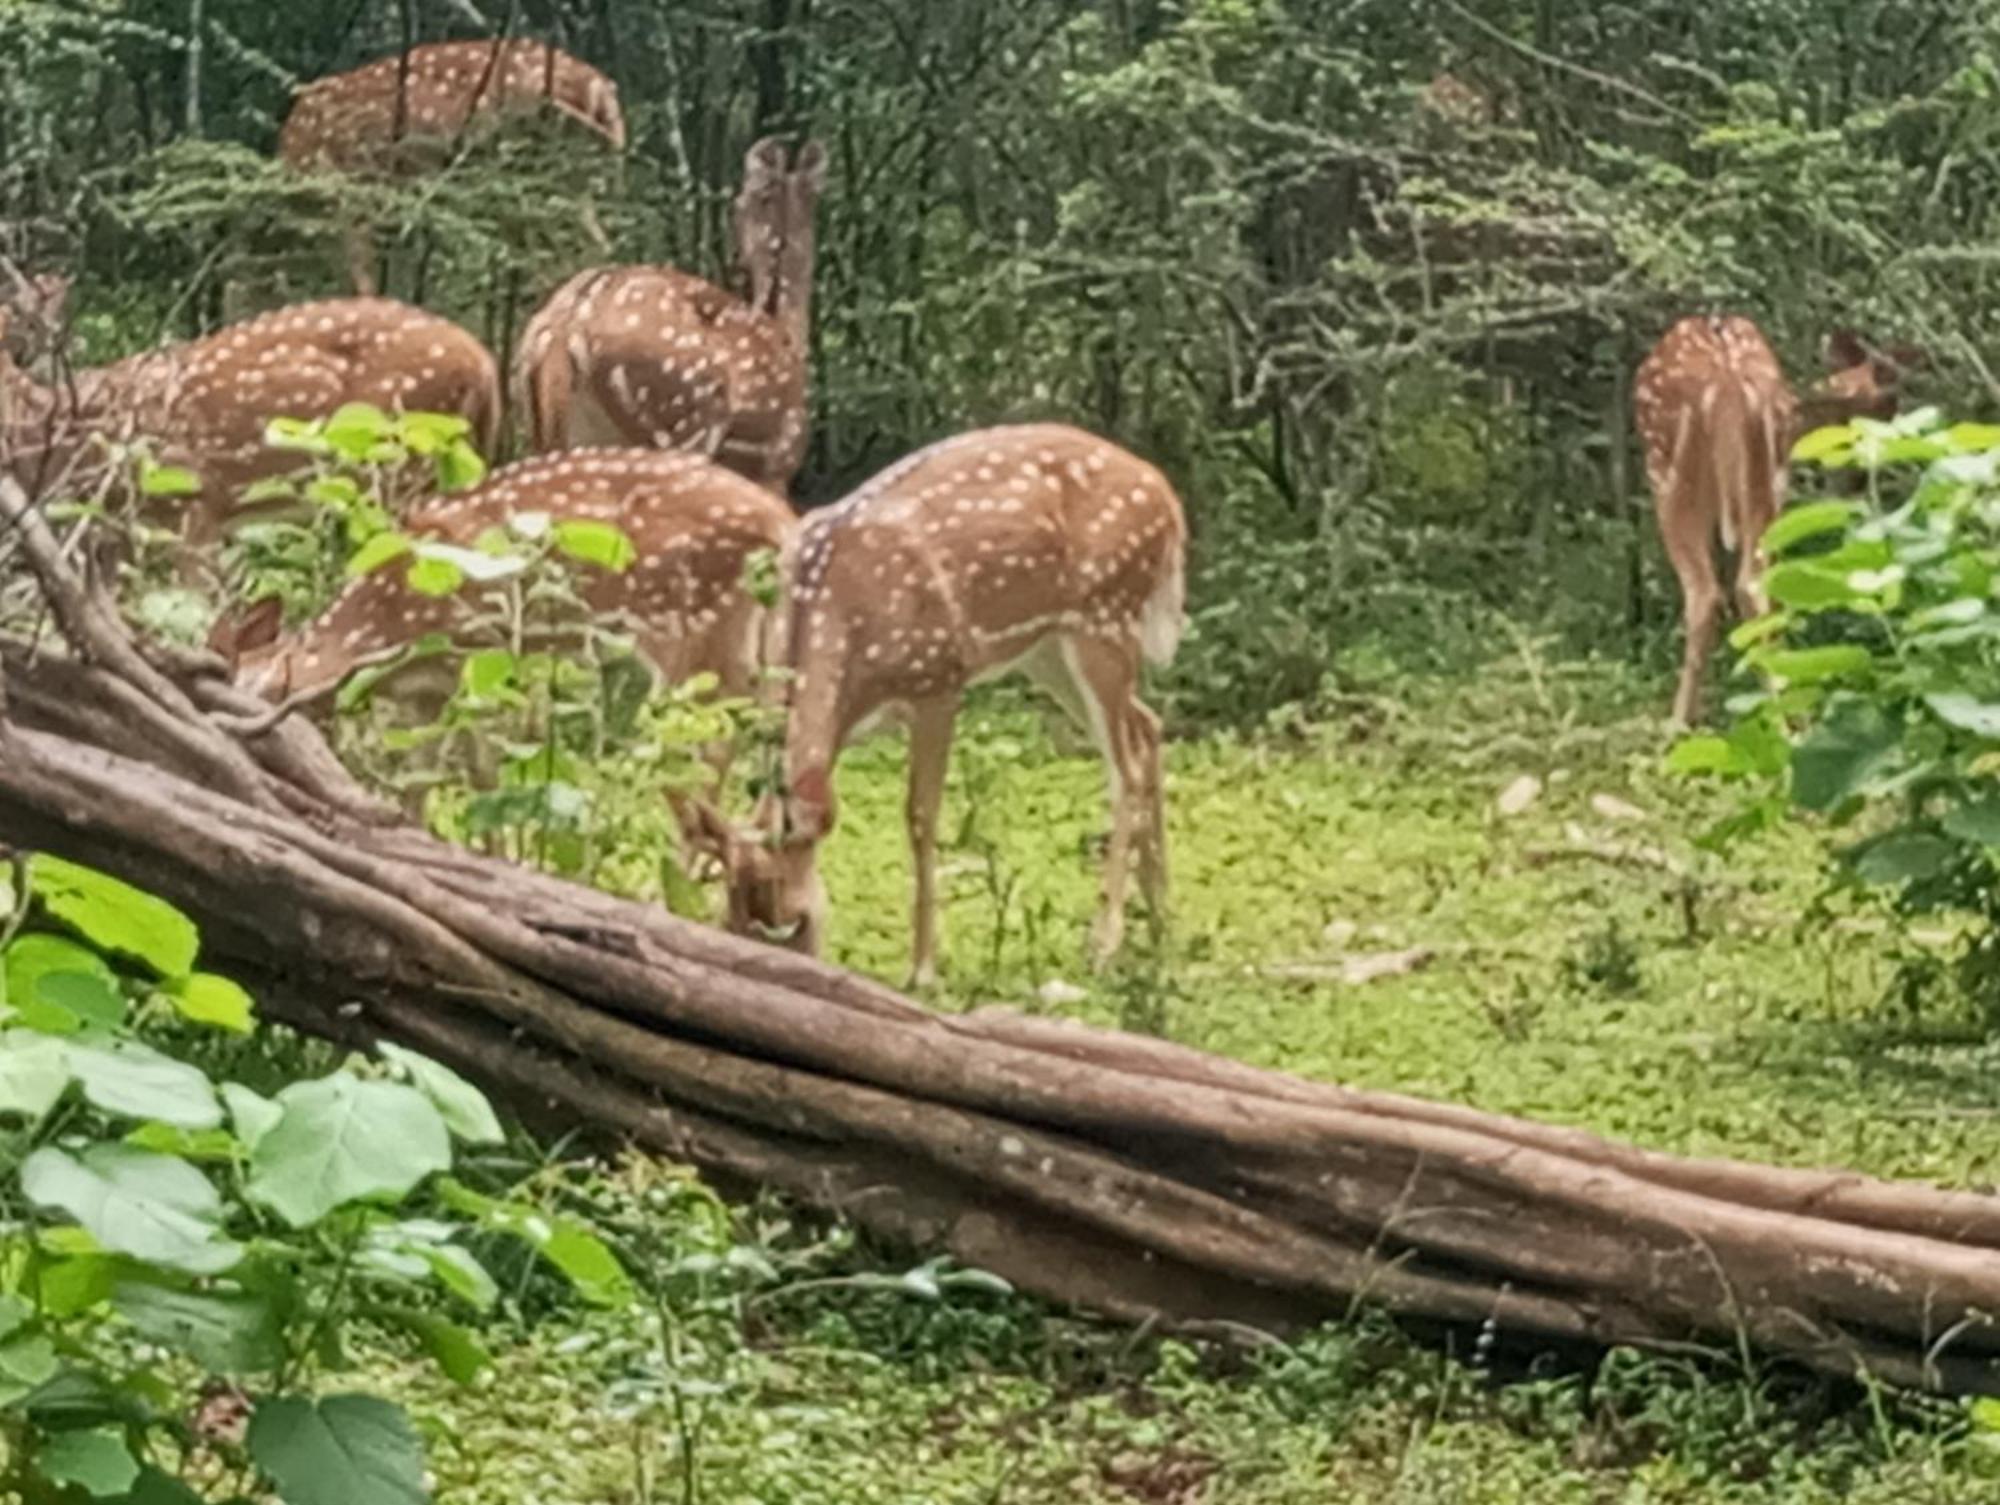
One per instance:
(692,524)
(403,113)
(204,405)
(1041,548)
(1718,421)
(651,355)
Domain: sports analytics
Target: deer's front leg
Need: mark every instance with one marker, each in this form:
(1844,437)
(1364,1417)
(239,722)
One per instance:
(930,753)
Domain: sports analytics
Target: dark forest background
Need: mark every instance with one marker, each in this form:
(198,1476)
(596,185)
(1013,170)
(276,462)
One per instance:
(1367,276)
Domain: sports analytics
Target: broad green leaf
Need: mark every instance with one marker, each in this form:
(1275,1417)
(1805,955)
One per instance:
(189,1144)
(1704,752)
(425,432)
(1967,713)
(207,998)
(339,1450)
(1902,857)
(378,551)
(336,492)
(34,1070)
(29,958)
(343,1140)
(252,1113)
(123,1076)
(583,1258)
(226,1332)
(460,1272)
(116,916)
(1853,745)
(435,577)
(1964,610)
(152,1207)
(1968,438)
(79,1282)
(1813,520)
(1747,635)
(1977,820)
(603,544)
(459,467)
(96,1462)
(85,997)
(417,1249)
(487,672)
(1806,666)
(168,480)
(270,489)
(1805,584)
(455,1350)
(464,1108)
(27,1362)
(156,1488)
(1824,443)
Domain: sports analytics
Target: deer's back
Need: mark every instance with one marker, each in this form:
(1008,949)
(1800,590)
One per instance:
(438,90)
(962,557)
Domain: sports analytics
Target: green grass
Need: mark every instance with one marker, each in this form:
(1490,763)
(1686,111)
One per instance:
(1719,1013)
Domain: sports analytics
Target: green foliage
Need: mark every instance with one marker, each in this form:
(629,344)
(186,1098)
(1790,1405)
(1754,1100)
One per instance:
(1889,733)
(139,1264)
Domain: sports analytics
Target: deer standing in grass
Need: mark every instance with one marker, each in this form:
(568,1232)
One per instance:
(693,527)
(1039,548)
(405,114)
(204,405)
(651,355)
(1718,421)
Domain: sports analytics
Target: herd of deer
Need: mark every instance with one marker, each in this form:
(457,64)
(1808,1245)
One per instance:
(657,400)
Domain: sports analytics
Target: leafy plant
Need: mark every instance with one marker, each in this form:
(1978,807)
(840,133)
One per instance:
(1879,711)
(171,1239)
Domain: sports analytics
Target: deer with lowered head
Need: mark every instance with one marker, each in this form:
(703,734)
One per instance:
(1718,421)
(205,404)
(405,113)
(1039,548)
(651,355)
(693,527)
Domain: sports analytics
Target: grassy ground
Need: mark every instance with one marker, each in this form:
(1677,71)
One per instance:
(1709,1013)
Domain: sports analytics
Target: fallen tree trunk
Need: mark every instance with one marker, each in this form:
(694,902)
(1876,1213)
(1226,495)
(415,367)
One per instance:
(1126,1175)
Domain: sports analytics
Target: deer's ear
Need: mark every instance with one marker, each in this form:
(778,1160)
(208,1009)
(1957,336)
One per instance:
(706,830)
(764,161)
(247,629)
(809,807)
(810,169)
(1844,350)
(53,289)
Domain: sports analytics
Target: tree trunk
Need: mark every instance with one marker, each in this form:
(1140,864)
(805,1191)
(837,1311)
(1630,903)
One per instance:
(1125,1175)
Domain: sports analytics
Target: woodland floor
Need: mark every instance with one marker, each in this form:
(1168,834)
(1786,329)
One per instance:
(1726,1017)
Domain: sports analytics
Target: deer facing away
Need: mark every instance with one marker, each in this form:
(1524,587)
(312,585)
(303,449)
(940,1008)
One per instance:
(1039,548)
(404,113)
(205,404)
(1718,420)
(650,355)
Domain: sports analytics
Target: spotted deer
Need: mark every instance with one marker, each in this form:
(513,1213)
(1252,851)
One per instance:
(404,113)
(655,356)
(1039,548)
(1718,420)
(693,526)
(204,405)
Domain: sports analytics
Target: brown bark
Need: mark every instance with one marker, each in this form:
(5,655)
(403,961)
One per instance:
(1126,1175)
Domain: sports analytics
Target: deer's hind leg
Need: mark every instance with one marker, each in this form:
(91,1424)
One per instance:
(1103,676)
